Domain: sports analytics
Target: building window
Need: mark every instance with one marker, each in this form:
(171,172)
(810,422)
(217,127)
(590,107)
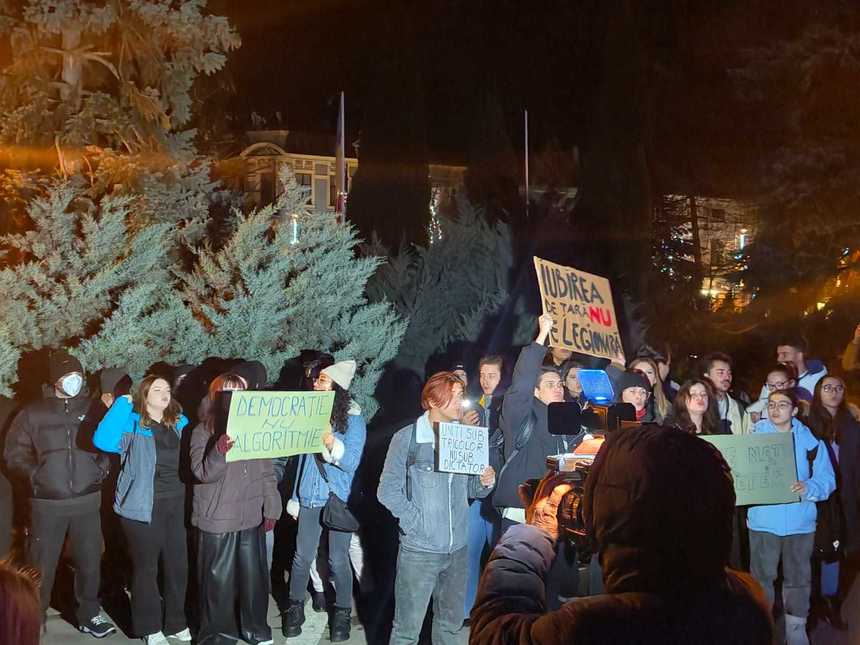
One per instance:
(305,180)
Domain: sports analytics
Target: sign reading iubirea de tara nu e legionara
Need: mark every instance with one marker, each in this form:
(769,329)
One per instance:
(277,424)
(462,449)
(581,306)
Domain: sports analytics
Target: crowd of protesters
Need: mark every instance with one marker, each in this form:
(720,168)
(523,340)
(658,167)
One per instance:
(138,473)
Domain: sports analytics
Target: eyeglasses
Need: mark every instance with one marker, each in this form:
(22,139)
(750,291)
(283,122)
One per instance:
(778,386)
(782,405)
(833,388)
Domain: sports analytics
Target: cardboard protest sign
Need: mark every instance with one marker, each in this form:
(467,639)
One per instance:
(762,466)
(581,305)
(277,424)
(462,448)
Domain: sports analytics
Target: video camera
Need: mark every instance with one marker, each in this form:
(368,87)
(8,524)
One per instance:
(599,416)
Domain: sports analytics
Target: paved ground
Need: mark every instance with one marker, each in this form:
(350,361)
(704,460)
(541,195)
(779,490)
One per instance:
(315,630)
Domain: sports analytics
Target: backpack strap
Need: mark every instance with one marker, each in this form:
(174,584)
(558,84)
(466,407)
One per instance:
(411,456)
(522,439)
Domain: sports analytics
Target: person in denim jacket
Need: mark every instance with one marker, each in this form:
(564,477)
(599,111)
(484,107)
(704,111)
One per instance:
(433,510)
(339,460)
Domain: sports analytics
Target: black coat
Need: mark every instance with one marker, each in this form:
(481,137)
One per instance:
(46,448)
(518,406)
(848,435)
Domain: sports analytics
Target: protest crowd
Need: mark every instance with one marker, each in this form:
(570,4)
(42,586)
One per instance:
(133,485)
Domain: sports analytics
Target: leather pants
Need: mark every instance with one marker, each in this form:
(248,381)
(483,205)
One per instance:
(231,563)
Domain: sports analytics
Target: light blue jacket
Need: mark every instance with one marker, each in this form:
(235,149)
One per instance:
(798,517)
(340,465)
(120,432)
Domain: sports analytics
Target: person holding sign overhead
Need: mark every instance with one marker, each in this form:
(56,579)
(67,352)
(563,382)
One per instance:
(235,503)
(328,473)
(433,510)
(146,431)
(787,531)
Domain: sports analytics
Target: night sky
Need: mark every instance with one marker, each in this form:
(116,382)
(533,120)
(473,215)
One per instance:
(538,55)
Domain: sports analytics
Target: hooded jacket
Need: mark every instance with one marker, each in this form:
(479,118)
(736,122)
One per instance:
(658,503)
(45,447)
(798,517)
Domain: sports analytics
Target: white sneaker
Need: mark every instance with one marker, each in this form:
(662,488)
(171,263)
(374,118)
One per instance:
(184,635)
(155,639)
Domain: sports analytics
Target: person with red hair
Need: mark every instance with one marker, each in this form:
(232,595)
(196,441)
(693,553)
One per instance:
(235,505)
(433,510)
(20,607)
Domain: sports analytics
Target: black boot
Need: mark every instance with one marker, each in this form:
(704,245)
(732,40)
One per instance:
(293,619)
(318,601)
(833,613)
(340,623)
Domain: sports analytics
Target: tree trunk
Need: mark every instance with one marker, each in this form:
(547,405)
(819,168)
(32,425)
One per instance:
(70,92)
(697,241)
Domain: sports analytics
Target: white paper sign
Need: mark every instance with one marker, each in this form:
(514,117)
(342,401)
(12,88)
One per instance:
(462,449)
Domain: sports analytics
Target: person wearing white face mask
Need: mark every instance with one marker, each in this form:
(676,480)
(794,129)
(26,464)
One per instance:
(44,448)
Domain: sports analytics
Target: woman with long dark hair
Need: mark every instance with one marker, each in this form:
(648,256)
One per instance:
(694,408)
(145,429)
(832,422)
(235,504)
(329,473)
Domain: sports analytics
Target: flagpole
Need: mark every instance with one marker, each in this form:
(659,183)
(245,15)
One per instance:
(526,158)
(340,161)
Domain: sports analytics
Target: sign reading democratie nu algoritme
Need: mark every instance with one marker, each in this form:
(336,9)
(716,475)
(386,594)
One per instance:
(277,424)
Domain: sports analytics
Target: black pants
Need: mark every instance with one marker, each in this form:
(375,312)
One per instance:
(164,539)
(307,543)
(228,563)
(562,579)
(49,525)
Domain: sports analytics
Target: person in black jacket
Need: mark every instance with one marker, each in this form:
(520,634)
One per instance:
(658,505)
(523,421)
(44,448)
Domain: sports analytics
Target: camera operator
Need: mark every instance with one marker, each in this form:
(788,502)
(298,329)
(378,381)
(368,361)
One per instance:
(658,505)
(523,422)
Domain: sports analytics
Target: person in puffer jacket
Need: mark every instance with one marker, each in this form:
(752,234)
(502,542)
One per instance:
(658,506)
(433,510)
(65,474)
(788,530)
(235,505)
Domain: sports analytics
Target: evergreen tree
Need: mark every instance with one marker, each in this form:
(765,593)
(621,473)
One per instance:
(449,289)
(272,291)
(74,263)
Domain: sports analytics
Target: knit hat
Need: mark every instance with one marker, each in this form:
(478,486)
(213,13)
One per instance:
(109,377)
(632,378)
(61,363)
(341,373)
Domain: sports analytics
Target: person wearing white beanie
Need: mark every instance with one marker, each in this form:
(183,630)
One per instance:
(328,473)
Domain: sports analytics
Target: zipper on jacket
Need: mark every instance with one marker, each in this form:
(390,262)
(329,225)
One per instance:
(68,443)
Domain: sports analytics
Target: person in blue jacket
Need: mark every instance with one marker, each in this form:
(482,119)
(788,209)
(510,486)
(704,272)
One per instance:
(145,430)
(787,531)
(331,471)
